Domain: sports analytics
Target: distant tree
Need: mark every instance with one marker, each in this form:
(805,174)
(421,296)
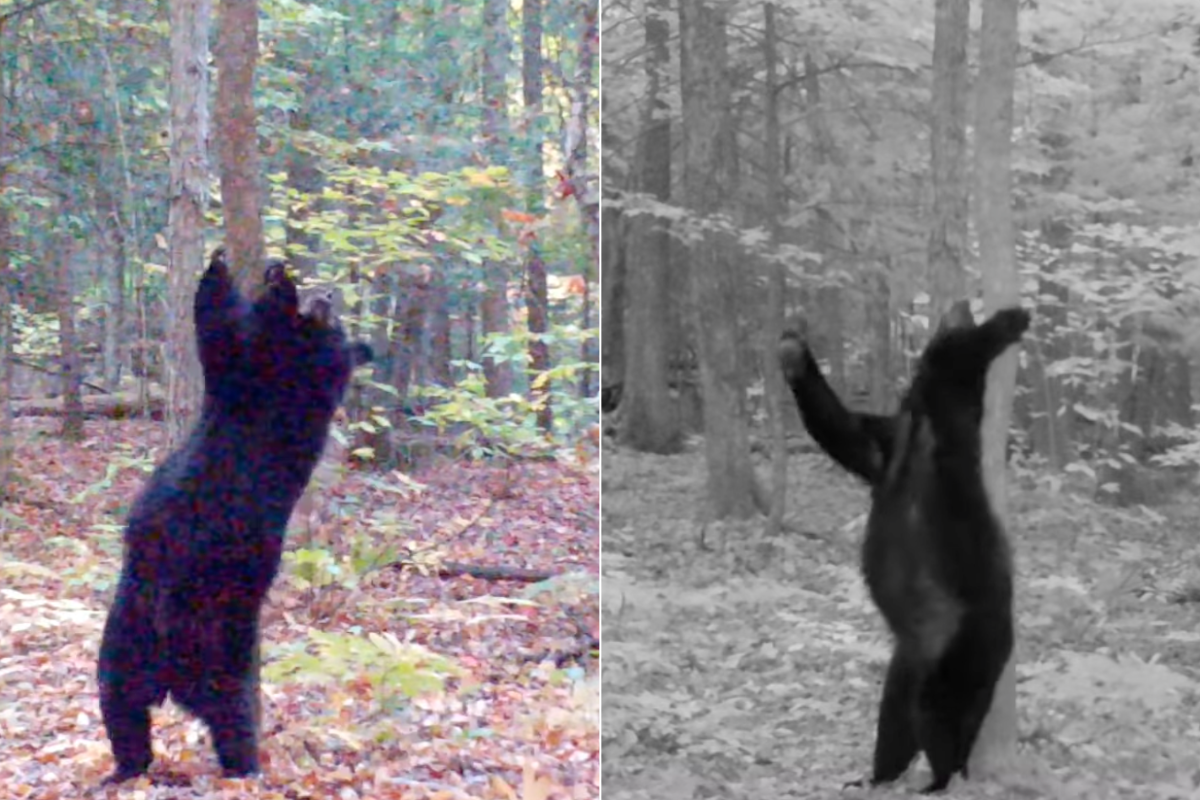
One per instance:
(649,419)
(708,174)
(69,368)
(493,305)
(536,295)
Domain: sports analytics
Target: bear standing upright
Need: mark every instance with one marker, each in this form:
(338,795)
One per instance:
(935,557)
(204,538)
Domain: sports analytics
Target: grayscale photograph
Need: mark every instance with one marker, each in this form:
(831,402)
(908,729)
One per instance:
(899,381)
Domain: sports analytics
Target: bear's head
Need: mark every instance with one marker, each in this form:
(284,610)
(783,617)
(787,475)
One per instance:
(300,355)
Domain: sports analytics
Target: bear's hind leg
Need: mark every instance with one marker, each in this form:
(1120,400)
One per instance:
(896,736)
(972,667)
(130,683)
(128,727)
(956,697)
(220,685)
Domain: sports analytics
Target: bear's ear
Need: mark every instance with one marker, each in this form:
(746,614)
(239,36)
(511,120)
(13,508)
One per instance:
(361,353)
(280,290)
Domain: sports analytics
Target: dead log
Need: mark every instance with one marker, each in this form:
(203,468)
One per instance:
(457,569)
(121,405)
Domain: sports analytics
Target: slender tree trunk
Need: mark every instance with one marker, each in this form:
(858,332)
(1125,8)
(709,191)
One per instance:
(7,444)
(582,187)
(879,354)
(829,294)
(948,140)
(536,300)
(649,420)
(439,327)
(113,252)
(493,307)
(124,210)
(777,280)
(997,741)
(72,422)
(108,260)
(613,295)
(708,146)
(241,200)
(303,177)
(190,22)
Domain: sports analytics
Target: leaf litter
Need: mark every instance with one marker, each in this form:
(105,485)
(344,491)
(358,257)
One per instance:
(514,713)
(740,666)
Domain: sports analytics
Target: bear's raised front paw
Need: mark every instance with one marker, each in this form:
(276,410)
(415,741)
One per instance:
(1013,322)
(791,354)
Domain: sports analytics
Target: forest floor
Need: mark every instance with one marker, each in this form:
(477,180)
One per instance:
(514,719)
(741,667)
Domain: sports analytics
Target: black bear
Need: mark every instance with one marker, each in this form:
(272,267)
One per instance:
(204,538)
(935,557)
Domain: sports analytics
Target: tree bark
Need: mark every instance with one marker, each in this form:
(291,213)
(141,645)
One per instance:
(828,312)
(190,22)
(612,294)
(7,444)
(110,254)
(493,306)
(948,141)
(879,354)
(72,421)
(536,298)
(708,149)
(241,201)
(777,280)
(304,177)
(996,745)
(581,186)
(438,297)
(649,422)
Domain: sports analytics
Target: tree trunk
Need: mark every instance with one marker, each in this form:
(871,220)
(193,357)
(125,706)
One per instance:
(649,422)
(438,298)
(241,203)
(612,295)
(948,233)
(110,254)
(304,177)
(190,22)
(123,198)
(536,301)
(881,379)
(708,146)
(7,444)
(996,746)
(582,189)
(1045,410)
(493,306)
(828,313)
(777,282)
(72,422)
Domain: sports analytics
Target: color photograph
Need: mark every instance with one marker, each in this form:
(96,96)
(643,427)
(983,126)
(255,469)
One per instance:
(299,408)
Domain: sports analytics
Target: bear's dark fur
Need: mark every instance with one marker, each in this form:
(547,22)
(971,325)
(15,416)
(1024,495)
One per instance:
(204,538)
(935,557)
